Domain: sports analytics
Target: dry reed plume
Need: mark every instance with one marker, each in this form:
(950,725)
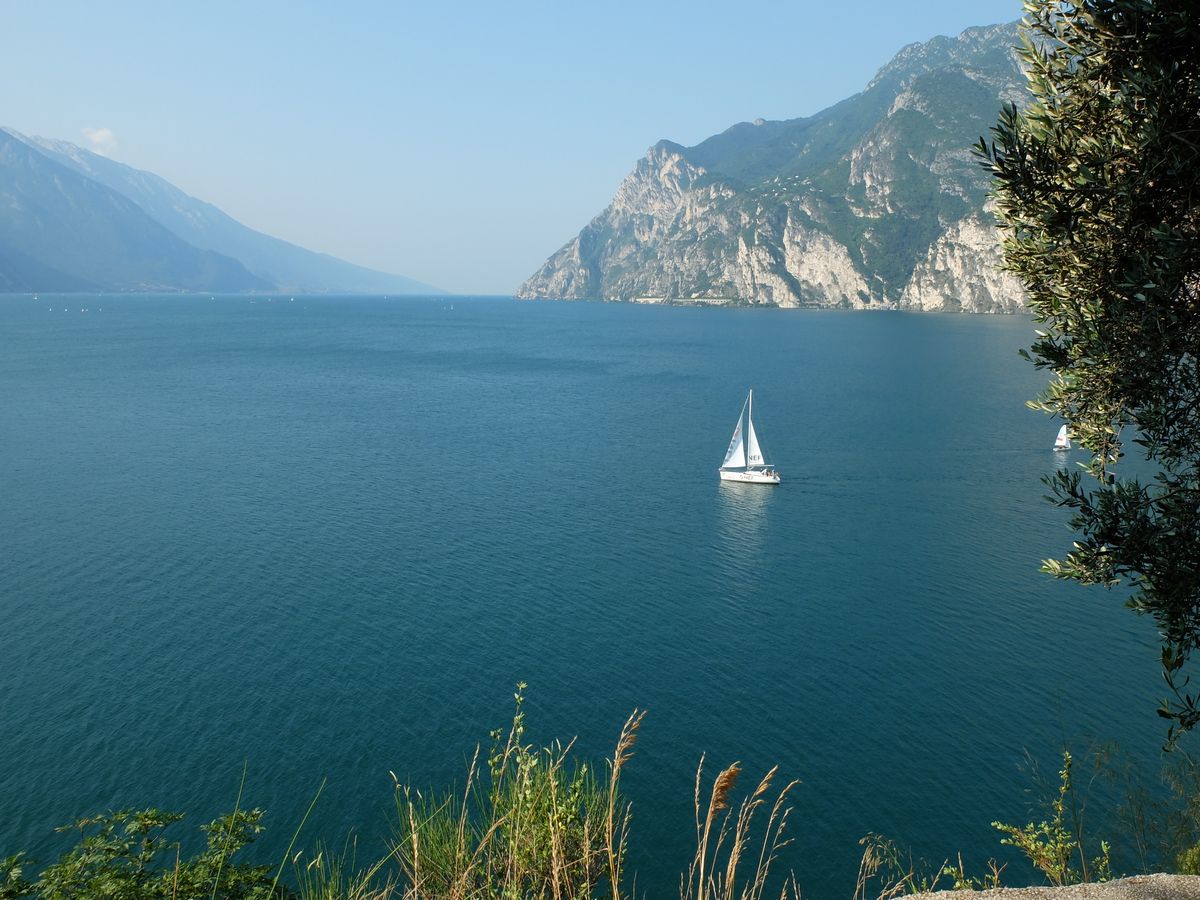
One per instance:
(534,825)
(707,878)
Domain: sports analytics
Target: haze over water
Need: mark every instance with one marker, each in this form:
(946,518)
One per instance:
(327,536)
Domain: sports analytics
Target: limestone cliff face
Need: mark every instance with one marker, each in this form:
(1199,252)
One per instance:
(597,263)
(961,273)
(873,203)
(667,235)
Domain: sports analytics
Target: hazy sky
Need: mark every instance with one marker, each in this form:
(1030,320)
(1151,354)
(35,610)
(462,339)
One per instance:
(459,143)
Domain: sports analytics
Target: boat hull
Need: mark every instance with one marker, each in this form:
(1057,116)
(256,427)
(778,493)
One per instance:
(749,476)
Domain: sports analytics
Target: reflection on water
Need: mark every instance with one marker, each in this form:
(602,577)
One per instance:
(742,514)
(1062,459)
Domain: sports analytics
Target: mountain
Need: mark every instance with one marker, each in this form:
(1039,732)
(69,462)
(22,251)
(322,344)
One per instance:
(60,231)
(33,245)
(875,202)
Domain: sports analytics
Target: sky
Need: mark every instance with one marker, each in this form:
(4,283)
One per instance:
(456,143)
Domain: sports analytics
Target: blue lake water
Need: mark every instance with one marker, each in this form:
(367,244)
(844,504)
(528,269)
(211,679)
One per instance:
(325,537)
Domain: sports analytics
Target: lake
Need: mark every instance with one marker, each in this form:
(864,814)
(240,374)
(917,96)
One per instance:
(325,537)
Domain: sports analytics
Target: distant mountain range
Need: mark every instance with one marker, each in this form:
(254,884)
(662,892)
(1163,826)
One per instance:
(72,220)
(873,202)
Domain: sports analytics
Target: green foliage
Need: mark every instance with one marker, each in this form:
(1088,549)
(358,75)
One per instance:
(1188,862)
(961,881)
(886,871)
(529,823)
(537,825)
(1053,845)
(12,882)
(125,856)
(1098,189)
(338,876)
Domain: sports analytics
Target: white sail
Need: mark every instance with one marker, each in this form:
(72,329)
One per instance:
(744,460)
(736,455)
(754,455)
(1062,442)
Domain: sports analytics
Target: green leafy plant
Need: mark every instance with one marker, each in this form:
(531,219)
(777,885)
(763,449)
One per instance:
(12,882)
(886,871)
(1052,845)
(125,855)
(961,881)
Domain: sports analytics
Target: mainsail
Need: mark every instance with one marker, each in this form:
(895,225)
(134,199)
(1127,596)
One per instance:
(1062,442)
(736,456)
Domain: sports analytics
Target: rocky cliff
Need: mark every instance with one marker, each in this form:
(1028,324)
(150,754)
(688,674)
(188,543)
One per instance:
(875,202)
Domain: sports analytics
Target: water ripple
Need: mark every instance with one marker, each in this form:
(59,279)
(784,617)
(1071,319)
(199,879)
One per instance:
(329,540)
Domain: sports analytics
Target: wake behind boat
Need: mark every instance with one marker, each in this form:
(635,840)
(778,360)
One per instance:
(744,459)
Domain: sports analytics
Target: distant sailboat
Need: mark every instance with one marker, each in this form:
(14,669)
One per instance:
(1062,442)
(744,458)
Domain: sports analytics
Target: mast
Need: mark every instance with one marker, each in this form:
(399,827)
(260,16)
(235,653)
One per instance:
(754,454)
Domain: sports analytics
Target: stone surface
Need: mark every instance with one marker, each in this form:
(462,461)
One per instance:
(1138,887)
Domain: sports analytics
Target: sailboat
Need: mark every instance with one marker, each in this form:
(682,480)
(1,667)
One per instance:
(744,458)
(1062,442)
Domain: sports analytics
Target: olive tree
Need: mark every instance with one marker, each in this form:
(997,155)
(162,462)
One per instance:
(1097,186)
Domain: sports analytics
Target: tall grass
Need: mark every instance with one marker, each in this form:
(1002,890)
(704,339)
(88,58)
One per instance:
(538,824)
(528,823)
(534,823)
(723,840)
(337,876)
